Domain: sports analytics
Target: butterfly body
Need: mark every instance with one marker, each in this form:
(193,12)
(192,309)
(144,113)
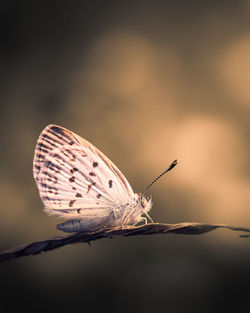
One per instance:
(129,214)
(77,181)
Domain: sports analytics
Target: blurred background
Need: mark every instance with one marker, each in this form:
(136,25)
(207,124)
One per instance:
(146,82)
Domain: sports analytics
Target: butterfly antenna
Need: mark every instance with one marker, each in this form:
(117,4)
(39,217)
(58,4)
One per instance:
(171,166)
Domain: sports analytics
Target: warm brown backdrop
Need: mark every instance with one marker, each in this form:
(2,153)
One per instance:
(145,82)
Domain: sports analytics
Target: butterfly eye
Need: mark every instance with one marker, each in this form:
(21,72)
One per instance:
(143,202)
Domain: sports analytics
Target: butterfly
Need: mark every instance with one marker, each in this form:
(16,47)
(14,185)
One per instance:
(77,181)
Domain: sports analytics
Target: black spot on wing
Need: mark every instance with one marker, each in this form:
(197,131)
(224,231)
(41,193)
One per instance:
(99,196)
(52,180)
(71,203)
(43,148)
(73,170)
(110,183)
(45,198)
(92,174)
(60,131)
(54,167)
(49,140)
(40,156)
(42,145)
(79,211)
(52,189)
(50,177)
(90,186)
(95,164)
(62,136)
(57,130)
(78,195)
(69,154)
(72,179)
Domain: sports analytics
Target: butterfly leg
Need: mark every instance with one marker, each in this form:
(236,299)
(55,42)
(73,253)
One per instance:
(114,220)
(143,220)
(115,216)
(127,217)
(149,217)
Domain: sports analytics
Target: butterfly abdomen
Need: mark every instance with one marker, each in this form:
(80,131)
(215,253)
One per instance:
(83,225)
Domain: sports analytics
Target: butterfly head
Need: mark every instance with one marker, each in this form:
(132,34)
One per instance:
(145,203)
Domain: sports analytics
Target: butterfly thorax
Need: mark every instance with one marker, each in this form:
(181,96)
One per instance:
(132,212)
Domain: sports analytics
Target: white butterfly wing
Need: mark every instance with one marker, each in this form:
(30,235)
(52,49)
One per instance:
(74,177)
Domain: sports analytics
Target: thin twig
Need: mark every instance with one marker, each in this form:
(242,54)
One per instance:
(149,229)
